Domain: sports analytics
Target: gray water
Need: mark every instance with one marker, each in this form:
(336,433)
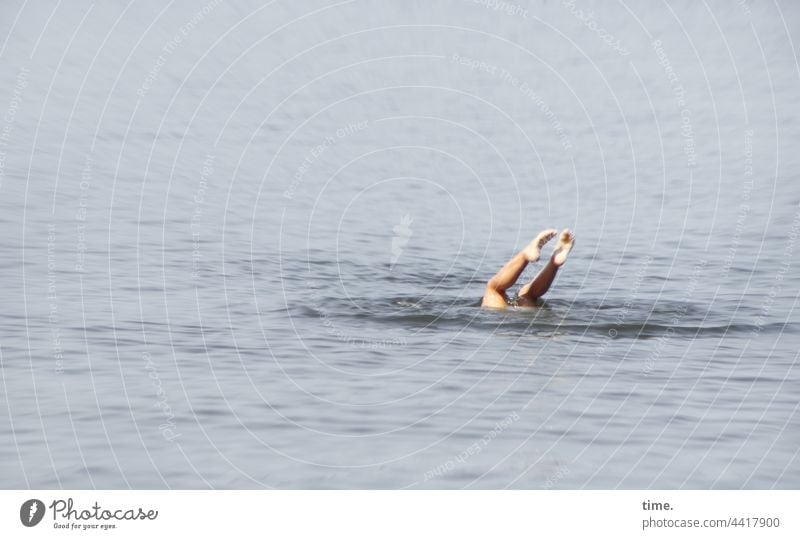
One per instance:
(243,245)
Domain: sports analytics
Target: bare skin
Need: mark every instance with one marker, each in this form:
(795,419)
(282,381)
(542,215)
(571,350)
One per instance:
(495,296)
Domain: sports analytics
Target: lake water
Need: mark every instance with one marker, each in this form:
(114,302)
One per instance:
(243,245)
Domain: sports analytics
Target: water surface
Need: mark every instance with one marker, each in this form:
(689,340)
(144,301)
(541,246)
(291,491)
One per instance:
(243,246)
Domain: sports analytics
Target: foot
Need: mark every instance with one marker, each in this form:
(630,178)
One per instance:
(565,243)
(534,249)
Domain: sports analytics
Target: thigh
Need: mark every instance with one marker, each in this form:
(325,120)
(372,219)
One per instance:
(494,299)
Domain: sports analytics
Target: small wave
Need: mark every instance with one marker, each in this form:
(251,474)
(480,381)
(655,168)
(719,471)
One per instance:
(556,317)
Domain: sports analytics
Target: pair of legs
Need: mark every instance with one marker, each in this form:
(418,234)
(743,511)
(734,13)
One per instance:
(495,295)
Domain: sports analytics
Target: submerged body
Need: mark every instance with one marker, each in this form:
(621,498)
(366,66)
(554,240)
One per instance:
(496,297)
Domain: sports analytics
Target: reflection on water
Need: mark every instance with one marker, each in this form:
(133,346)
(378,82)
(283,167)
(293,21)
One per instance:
(252,257)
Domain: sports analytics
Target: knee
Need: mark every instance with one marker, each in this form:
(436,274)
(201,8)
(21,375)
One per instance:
(493,286)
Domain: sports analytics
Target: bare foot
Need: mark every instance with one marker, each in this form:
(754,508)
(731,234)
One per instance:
(565,244)
(534,249)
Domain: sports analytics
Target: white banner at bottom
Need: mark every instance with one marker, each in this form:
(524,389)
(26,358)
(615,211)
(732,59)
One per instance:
(115,514)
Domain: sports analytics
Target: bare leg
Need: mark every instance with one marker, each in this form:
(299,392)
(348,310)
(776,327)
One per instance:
(495,295)
(541,283)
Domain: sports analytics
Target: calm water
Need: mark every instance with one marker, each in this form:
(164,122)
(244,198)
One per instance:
(242,247)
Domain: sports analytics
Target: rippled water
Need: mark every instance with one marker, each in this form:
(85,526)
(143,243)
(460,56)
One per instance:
(243,246)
